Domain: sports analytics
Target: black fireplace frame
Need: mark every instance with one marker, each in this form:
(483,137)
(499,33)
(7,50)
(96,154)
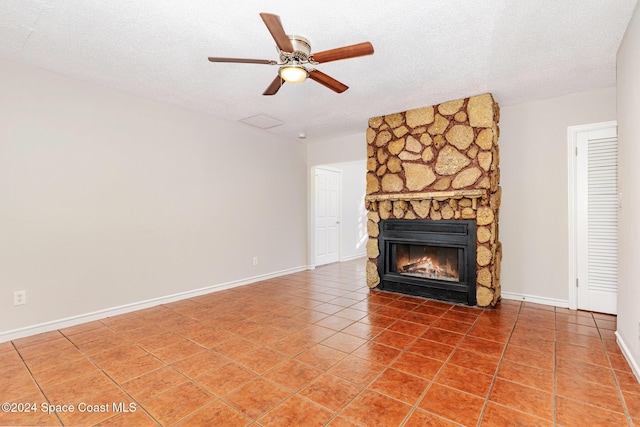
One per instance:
(460,234)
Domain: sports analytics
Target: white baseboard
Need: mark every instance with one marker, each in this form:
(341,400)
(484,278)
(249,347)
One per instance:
(627,355)
(126,308)
(536,299)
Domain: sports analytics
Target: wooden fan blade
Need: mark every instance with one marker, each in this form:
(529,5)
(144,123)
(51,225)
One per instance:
(353,51)
(274,86)
(243,60)
(327,81)
(277,31)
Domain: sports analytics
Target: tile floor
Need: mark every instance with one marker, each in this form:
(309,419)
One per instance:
(319,348)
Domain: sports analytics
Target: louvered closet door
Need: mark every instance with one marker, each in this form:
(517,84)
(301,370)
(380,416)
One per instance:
(597,202)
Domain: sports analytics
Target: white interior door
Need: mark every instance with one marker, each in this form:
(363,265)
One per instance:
(597,219)
(327,215)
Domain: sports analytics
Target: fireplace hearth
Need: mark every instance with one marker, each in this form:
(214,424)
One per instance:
(433,259)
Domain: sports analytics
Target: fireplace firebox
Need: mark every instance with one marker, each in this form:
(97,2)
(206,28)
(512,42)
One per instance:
(433,259)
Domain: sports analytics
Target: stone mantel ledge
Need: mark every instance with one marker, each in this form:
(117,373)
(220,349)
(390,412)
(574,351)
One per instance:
(431,195)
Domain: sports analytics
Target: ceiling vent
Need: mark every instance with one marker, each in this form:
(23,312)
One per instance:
(262,121)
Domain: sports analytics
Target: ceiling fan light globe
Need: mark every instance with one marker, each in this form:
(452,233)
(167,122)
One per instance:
(293,74)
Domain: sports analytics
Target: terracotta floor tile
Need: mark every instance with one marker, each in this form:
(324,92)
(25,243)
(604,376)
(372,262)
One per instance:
(532,401)
(443,336)
(452,326)
(331,392)
(292,345)
(200,363)
(431,349)
(570,413)
(585,371)
(618,361)
(257,397)
(262,360)
(377,353)
(595,356)
(351,314)
(459,316)
(362,330)
(293,375)
(216,414)
(417,365)
(21,343)
(400,386)
(138,418)
(46,347)
(408,328)
(585,391)
(83,327)
(63,372)
(102,398)
(632,401)
(541,379)
(50,360)
(496,334)
(225,379)
(454,405)
(576,339)
(15,383)
(321,356)
(476,361)
(126,370)
(265,335)
(464,379)
(344,342)
(156,382)
(341,349)
(34,417)
(176,352)
(296,412)
(374,409)
(481,345)
(177,403)
(498,415)
(394,339)
(315,333)
(530,357)
(379,320)
(627,381)
(163,339)
(359,371)
(120,353)
(334,322)
(420,318)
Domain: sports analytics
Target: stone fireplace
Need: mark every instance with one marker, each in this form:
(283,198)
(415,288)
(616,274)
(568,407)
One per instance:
(436,165)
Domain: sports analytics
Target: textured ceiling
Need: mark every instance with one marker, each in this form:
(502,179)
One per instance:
(426,52)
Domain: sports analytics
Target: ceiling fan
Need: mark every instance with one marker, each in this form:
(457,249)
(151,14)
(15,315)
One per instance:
(295,53)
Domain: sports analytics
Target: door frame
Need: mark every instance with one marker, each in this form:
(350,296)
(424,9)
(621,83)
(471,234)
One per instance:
(572,144)
(311,231)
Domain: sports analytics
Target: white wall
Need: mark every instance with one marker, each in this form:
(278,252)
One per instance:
(354,215)
(349,155)
(534,210)
(343,149)
(629,185)
(107,199)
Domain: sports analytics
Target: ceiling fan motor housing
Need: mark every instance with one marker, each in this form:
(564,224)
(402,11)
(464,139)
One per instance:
(301,51)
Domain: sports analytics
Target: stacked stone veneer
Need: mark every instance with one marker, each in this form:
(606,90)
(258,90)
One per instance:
(438,162)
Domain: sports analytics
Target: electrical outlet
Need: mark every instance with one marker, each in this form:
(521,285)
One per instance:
(19,297)
(255,261)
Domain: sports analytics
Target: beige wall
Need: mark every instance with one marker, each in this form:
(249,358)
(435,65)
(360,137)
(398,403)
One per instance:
(108,199)
(534,211)
(629,185)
